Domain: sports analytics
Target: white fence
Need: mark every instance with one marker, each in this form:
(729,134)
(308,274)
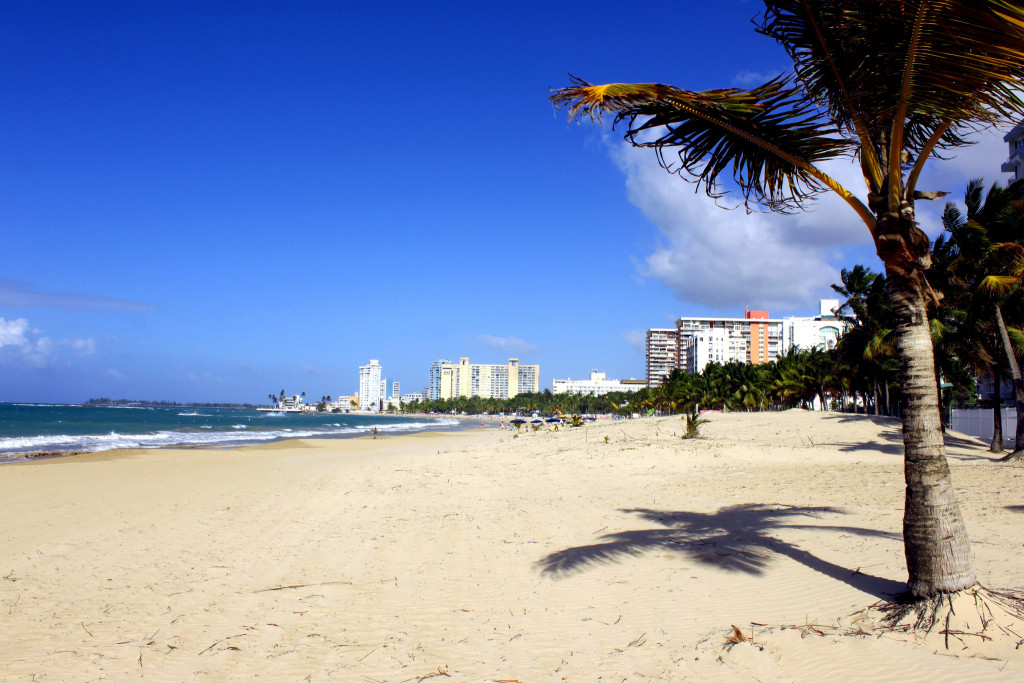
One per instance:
(978,422)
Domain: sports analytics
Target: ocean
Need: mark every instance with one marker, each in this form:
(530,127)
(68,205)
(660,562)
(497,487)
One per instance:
(34,428)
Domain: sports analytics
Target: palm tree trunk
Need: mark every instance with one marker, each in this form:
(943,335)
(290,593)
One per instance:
(997,413)
(1018,388)
(877,413)
(934,535)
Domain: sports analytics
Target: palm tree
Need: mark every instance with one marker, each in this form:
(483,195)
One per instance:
(956,272)
(867,349)
(887,83)
(985,267)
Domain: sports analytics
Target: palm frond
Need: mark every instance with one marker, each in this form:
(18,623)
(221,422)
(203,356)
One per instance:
(769,139)
(997,285)
(957,68)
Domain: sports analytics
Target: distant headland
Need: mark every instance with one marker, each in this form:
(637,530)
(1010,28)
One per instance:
(161,404)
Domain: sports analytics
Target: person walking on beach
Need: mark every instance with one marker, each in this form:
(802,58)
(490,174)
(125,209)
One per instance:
(374,432)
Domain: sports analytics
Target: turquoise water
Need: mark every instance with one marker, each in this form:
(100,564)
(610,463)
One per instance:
(31,428)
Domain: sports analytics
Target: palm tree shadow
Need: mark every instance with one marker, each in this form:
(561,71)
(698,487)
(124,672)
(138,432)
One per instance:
(735,538)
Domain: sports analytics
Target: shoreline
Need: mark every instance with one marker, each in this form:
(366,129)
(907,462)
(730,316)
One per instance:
(8,458)
(613,550)
(238,439)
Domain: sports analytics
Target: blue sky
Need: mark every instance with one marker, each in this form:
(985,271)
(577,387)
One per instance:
(214,201)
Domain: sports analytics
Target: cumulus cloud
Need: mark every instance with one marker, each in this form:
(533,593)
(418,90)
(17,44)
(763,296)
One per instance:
(980,160)
(18,294)
(20,343)
(729,259)
(508,344)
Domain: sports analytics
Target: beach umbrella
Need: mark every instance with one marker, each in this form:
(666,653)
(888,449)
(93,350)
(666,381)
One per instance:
(536,422)
(519,420)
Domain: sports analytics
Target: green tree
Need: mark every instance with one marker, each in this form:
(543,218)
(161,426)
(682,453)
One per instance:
(867,350)
(986,264)
(887,83)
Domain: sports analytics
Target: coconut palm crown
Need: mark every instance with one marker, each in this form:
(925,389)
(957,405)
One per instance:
(889,84)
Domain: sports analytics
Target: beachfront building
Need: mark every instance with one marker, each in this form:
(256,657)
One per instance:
(488,381)
(291,405)
(819,332)
(662,355)
(342,404)
(415,397)
(434,391)
(370,394)
(1015,163)
(597,385)
(755,338)
(713,345)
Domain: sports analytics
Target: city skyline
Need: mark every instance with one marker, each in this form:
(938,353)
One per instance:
(194,196)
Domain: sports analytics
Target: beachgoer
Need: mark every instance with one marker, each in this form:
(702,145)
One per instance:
(375,432)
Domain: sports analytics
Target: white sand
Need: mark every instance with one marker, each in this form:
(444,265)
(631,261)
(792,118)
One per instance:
(482,557)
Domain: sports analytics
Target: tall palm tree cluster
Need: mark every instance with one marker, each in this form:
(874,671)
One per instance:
(977,269)
(800,379)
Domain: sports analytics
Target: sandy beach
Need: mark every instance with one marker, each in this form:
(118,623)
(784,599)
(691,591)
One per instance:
(610,552)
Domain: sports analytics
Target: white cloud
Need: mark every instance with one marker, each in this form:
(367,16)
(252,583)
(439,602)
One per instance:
(509,344)
(636,339)
(18,294)
(727,258)
(752,79)
(13,332)
(20,343)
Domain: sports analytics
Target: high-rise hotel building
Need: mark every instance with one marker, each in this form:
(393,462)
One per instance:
(488,381)
(434,390)
(662,355)
(370,387)
(754,339)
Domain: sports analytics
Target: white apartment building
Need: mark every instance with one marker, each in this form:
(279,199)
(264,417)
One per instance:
(1015,163)
(662,355)
(488,381)
(714,345)
(762,339)
(754,338)
(821,332)
(291,405)
(597,385)
(370,386)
